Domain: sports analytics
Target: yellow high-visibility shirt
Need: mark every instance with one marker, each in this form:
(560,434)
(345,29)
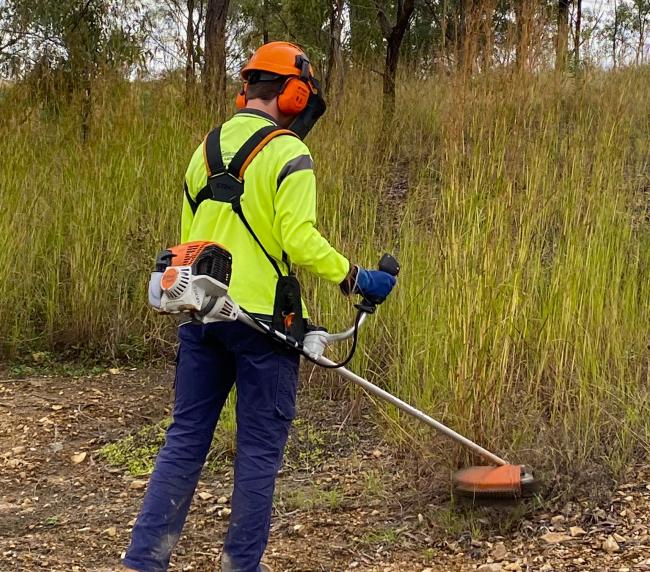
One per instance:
(279,203)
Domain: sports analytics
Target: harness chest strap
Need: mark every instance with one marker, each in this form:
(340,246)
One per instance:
(226,184)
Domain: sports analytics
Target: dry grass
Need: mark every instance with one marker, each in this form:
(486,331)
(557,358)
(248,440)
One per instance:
(518,208)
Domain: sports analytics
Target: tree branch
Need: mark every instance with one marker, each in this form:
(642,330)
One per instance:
(384,24)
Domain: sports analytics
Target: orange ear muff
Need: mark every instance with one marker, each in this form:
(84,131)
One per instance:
(293,96)
(240,102)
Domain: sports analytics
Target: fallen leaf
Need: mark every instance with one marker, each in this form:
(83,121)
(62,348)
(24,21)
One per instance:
(610,545)
(555,537)
(78,458)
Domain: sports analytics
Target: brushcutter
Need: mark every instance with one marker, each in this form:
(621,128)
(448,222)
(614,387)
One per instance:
(192,280)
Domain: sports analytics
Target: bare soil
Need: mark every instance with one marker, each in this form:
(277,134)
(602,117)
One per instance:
(345,500)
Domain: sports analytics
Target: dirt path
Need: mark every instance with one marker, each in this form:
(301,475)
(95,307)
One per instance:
(343,501)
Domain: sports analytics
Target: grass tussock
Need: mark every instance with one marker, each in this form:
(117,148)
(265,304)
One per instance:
(518,206)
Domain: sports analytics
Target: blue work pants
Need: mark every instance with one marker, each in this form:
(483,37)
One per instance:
(211,359)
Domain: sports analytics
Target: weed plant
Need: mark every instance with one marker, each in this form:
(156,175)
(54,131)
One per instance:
(518,206)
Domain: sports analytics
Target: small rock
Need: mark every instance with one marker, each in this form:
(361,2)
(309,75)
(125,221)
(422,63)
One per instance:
(204,495)
(577,531)
(619,538)
(610,545)
(18,450)
(224,512)
(113,370)
(298,527)
(57,407)
(558,520)
(376,453)
(513,567)
(555,537)
(78,458)
(222,500)
(489,568)
(499,551)
(137,485)
(110,531)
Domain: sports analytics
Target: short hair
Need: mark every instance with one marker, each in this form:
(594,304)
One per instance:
(265,89)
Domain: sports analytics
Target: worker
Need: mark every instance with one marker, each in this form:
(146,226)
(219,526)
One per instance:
(268,230)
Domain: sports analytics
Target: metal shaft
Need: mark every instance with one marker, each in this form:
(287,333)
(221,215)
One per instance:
(371,388)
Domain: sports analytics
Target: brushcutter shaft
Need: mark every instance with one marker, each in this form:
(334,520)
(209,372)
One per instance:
(382,394)
(371,388)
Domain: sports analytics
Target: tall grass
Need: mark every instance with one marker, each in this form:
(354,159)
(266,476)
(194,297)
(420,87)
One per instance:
(518,207)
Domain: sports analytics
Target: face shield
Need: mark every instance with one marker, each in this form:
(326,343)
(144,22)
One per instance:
(315,107)
(313,111)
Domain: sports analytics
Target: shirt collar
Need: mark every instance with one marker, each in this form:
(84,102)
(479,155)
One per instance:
(259,113)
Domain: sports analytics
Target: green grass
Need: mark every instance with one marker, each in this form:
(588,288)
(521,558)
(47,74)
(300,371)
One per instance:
(136,453)
(311,498)
(522,316)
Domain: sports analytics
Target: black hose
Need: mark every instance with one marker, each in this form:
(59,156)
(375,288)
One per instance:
(283,339)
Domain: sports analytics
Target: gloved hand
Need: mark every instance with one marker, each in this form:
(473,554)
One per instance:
(374,285)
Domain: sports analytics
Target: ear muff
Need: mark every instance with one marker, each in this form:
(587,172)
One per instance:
(293,96)
(240,102)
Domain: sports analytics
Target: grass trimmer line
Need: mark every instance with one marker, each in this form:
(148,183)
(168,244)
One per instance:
(193,279)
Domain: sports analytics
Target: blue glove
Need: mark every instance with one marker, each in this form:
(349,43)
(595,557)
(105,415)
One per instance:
(374,285)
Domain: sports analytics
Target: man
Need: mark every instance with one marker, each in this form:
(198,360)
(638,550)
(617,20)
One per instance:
(269,229)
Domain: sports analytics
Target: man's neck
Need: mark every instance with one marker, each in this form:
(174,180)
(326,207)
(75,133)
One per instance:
(268,107)
(271,109)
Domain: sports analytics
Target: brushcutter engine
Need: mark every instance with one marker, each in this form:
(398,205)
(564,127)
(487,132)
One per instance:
(193,278)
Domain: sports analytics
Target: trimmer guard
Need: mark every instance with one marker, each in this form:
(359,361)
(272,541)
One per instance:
(504,481)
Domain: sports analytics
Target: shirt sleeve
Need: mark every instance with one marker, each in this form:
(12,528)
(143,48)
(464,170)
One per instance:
(295,218)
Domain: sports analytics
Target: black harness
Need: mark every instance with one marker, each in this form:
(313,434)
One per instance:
(226,185)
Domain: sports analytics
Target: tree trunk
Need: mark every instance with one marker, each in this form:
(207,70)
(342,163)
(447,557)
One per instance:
(488,9)
(577,40)
(334,76)
(562,39)
(189,51)
(641,23)
(394,36)
(214,67)
(265,21)
(523,15)
(615,34)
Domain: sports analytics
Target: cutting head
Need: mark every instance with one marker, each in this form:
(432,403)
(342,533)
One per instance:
(503,482)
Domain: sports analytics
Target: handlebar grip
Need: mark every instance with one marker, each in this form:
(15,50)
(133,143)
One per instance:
(389,264)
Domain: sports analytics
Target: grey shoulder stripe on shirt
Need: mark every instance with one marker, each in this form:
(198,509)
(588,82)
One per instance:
(300,163)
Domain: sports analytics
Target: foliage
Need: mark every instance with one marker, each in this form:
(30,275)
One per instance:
(517,205)
(137,453)
(74,38)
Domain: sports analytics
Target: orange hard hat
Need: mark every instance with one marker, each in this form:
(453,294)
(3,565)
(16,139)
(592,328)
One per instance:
(281,58)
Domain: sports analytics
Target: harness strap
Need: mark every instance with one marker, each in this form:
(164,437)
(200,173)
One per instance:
(233,189)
